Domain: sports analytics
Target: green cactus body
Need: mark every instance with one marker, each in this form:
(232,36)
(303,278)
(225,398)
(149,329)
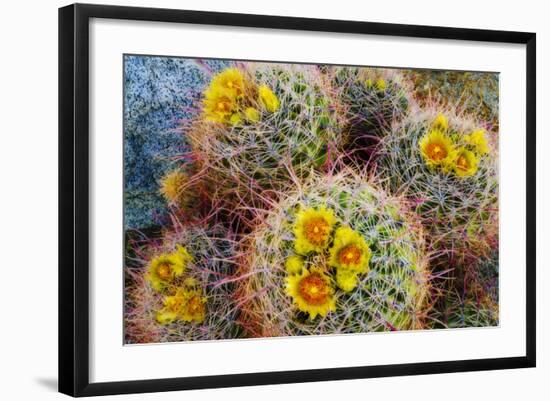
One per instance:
(459,208)
(374,99)
(475,303)
(390,294)
(208,274)
(265,147)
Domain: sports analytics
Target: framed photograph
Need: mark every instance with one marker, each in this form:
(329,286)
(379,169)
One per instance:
(249,199)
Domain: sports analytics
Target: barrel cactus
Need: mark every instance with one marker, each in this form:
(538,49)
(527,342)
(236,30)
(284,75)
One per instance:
(473,300)
(263,125)
(447,165)
(179,288)
(335,255)
(374,99)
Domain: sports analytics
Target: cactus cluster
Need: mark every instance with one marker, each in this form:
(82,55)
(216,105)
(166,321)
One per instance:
(180,288)
(317,200)
(355,263)
(447,166)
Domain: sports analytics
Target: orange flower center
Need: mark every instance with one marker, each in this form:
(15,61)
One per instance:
(177,304)
(314,289)
(164,271)
(436,151)
(195,305)
(234,85)
(316,231)
(223,106)
(462,163)
(350,254)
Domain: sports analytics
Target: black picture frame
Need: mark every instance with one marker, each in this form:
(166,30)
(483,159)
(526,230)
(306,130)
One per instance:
(74,192)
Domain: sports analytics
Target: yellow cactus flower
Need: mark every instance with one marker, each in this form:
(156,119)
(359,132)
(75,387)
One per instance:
(252,115)
(312,292)
(294,264)
(436,148)
(346,280)
(230,80)
(440,123)
(235,119)
(368,83)
(221,98)
(184,254)
(190,282)
(381,84)
(167,315)
(165,268)
(194,308)
(219,104)
(349,251)
(268,99)
(172,184)
(312,229)
(478,141)
(186,305)
(465,163)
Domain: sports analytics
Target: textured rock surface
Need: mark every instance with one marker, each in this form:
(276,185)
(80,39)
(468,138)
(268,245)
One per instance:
(158,93)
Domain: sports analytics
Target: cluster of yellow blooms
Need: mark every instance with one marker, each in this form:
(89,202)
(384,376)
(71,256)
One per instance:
(346,253)
(186,301)
(379,84)
(461,157)
(233,99)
